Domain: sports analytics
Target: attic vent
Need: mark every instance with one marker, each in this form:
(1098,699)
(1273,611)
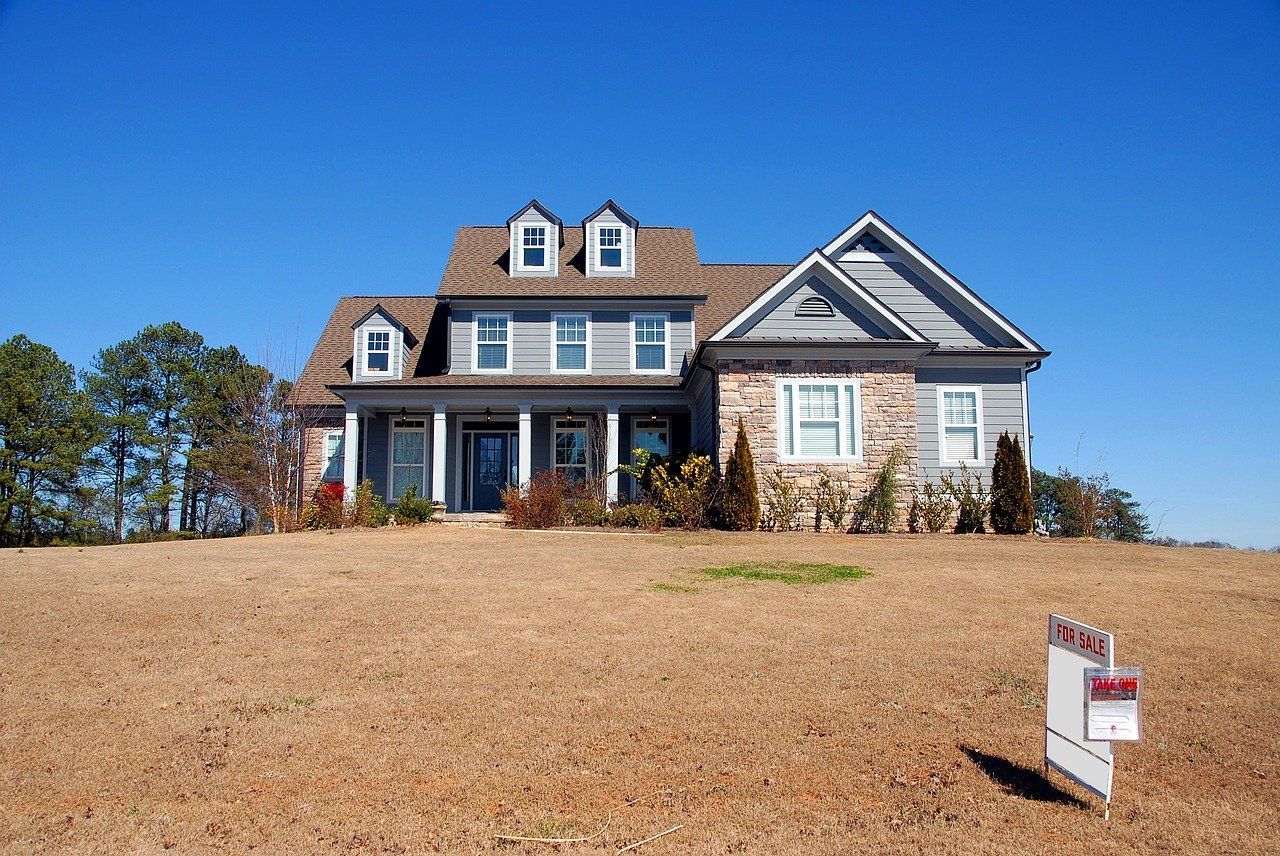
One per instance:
(815,307)
(870,244)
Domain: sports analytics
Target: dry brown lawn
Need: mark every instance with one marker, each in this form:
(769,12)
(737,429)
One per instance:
(423,690)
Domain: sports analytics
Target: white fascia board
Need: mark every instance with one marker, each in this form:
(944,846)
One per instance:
(955,289)
(862,298)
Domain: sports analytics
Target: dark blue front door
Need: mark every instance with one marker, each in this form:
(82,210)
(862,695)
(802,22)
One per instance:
(490,470)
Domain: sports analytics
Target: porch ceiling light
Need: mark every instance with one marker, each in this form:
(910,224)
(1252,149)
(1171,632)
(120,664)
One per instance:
(653,414)
(568,413)
(488,414)
(404,413)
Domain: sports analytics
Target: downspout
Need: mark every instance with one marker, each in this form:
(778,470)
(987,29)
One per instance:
(1026,409)
(715,402)
(448,335)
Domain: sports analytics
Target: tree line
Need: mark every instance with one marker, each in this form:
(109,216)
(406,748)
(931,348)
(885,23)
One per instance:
(163,436)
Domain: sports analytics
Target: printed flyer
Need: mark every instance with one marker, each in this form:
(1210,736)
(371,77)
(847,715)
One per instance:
(1111,699)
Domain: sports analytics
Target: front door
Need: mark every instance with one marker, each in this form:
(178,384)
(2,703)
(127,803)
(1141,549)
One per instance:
(490,470)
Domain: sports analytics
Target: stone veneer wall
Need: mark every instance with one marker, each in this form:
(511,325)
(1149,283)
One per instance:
(313,453)
(748,389)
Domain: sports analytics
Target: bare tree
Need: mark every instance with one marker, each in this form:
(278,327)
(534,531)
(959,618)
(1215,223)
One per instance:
(597,457)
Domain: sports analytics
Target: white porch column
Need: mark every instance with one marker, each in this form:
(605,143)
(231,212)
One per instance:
(439,435)
(350,452)
(611,453)
(524,470)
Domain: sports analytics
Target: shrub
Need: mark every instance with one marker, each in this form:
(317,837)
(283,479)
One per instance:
(588,512)
(641,469)
(832,499)
(368,508)
(146,536)
(331,507)
(783,501)
(411,508)
(972,498)
(542,505)
(934,508)
(914,524)
(741,496)
(878,510)
(685,492)
(636,515)
(1012,512)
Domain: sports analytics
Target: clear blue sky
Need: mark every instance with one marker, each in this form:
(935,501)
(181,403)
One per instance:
(1105,174)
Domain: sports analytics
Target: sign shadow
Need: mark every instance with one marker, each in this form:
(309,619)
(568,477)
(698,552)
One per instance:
(1020,781)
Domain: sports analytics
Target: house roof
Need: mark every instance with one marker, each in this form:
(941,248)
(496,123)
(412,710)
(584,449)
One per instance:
(330,362)
(379,309)
(666,266)
(500,380)
(731,288)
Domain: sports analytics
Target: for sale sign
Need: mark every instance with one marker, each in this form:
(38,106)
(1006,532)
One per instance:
(1111,699)
(1073,648)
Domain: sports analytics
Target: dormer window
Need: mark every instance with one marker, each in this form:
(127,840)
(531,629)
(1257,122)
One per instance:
(377,353)
(609,247)
(533,244)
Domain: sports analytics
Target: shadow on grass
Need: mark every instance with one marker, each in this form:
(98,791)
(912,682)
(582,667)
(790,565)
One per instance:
(1020,781)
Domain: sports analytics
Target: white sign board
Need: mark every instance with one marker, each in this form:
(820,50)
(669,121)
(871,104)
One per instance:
(1074,647)
(1111,699)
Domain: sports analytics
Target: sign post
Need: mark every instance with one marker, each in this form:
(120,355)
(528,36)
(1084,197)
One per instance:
(1074,648)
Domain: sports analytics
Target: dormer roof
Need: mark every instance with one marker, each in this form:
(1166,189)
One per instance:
(541,209)
(378,309)
(618,211)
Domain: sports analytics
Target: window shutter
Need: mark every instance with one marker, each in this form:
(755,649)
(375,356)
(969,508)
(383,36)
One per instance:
(784,428)
(851,416)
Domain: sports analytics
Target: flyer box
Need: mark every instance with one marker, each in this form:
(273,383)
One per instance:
(1111,704)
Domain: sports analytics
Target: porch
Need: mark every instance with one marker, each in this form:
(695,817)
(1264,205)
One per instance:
(463,454)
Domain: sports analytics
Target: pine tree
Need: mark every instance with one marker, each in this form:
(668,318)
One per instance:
(1012,511)
(741,497)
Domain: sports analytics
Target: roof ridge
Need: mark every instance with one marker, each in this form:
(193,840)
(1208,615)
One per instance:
(641,227)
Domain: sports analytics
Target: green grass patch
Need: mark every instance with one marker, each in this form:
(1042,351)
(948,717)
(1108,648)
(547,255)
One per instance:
(672,587)
(791,573)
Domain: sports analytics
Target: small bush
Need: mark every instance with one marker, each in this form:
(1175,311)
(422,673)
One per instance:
(331,507)
(368,508)
(146,536)
(832,499)
(588,512)
(878,510)
(685,492)
(1012,511)
(934,507)
(636,515)
(411,508)
(542,505)
(741,496)
(783,501)
(972,498)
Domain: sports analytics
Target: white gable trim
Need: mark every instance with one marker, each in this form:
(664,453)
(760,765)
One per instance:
(952,287)
(859,296)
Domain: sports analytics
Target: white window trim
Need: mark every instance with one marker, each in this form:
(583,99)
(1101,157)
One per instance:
(555,429)
(666,316)
(555,369)
(850,411)
(622,247)
(548,230)
(327,459)
(942,427)
(424,429)
(475,342)
(636,421)
(391,344)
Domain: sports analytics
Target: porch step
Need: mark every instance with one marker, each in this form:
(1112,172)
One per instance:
(480,519)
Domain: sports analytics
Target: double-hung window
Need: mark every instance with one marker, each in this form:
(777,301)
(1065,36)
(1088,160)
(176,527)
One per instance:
(649,343)
(377,352)
(960,424)
(608,247)
(334,455)
(533,247)
(492,343)
(569,452)
(820,419)
(572,347)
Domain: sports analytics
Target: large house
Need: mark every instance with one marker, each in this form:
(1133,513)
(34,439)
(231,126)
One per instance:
(541,333)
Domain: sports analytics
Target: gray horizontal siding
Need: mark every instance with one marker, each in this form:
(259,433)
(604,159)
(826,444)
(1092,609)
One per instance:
(531,339)
(1001,411)
(782,322)
(919,303)
(705,427)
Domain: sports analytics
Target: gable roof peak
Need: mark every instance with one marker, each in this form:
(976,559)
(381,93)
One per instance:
(540,208)
(379,309)
(618,211)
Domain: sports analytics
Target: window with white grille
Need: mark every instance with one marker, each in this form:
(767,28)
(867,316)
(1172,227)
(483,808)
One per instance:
(572,343)
(377,352)
(649,343)
(492,343)
(960,438)
(820,419)
(609,247)
(533,247)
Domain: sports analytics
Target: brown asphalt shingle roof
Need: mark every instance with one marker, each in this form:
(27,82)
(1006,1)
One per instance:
(666,266)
